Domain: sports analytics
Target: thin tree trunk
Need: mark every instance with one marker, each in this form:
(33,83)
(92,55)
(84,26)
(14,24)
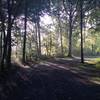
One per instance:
(50,44)
(70,28)
(61,42)
(4,47)
(60,32)
(70,36)
(81,29)
(39,37)
(17,49)
(24,38)
(30,49)
(0,31)
(8,56)
(37,48)
(1,37)
(84,29)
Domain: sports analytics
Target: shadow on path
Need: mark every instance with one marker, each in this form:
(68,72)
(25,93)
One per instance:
(50,80)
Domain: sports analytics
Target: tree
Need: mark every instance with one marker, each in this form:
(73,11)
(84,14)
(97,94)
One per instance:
(39,36)
(25,29)
(81,29)
(10,9)
(70,9)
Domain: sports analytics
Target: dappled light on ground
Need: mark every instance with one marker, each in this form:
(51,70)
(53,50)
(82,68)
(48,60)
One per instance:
(84,73)
(54,79)
(95,80)
(86,77)
(19,63)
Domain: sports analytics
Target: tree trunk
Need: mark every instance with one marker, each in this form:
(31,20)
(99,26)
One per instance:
(81,29)
(37,48)
(8,41)
(2,17)
(70,36)
(24,38)
(1,37)
(39,36)
(50,44)
(4,45)
(60,32)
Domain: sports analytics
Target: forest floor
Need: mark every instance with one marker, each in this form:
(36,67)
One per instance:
(53,79)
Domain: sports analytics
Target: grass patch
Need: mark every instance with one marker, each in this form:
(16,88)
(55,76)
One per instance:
(95,62)
(97,59)
(98,65)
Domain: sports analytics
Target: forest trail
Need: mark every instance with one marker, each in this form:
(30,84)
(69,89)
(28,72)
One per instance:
(55,79)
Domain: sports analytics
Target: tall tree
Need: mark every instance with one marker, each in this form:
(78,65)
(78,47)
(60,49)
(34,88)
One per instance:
(8,57)
(10,10)
(70,7)
(81,29)
(3,39)
(36,41)
(25,32)
(39,36)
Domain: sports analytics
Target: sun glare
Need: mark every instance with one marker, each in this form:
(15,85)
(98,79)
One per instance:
(46,19)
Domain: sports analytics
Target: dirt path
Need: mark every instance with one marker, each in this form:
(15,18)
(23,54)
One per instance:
(51,80)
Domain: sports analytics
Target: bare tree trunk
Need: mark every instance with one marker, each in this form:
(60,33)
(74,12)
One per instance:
(70,25)
(24,38)
(84,29)
(39,36)
(50,44)
(17,49)
(60,32)
(4,46)
(0,30)
(2,17)
(37,48)
(1,38)
(70,36)
(81,29)
(8,56)
(30,50)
